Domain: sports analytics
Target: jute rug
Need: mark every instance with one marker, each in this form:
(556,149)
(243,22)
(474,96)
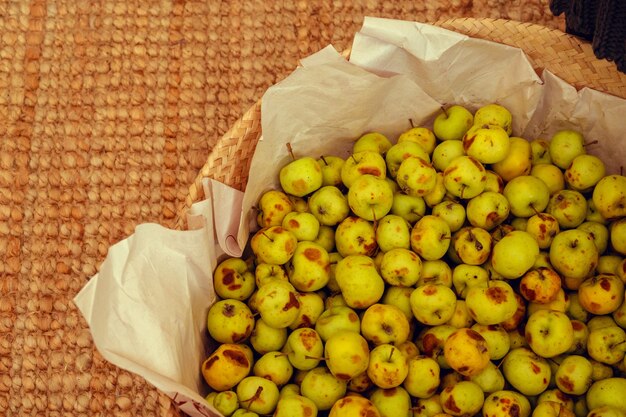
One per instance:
(107,111)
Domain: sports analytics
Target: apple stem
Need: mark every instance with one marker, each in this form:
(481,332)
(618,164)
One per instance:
(265,234)
(255,397)
(315,357)
(411,122)
(323,159)
(593,142)
(443,109)
(391,354)
(534,209)
(290,150)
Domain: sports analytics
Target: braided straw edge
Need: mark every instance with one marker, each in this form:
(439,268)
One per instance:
(566,56)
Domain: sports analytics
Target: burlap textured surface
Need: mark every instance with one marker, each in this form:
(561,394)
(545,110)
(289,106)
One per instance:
(108,110)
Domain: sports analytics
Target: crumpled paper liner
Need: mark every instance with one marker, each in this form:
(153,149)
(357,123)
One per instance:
(147,306)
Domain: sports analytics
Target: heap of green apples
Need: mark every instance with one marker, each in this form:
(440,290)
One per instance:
(458,270)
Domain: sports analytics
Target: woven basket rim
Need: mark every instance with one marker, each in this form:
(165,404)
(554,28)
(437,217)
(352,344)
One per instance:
(241,139)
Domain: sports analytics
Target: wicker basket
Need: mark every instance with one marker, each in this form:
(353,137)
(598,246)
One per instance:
(564,55)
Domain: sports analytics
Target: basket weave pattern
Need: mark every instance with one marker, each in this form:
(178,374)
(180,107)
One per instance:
(108,111)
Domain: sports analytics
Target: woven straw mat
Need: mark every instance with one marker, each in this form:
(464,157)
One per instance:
(108,110)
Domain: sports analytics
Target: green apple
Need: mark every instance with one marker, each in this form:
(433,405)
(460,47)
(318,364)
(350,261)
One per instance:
(497,338)
(359,280)
(574,254)
(309,267)
(274,366)
(607,344)
(452,212)
(551,175)
(304,226)
(355,236)
(435,272)
(430,237)
(521,243)
(347,354)
(466,351)
(464,177)
(543,227)
(601,294)
(331,169)
(304,348)
(607,392)
(388,366)
(420,135)
(392,402)
(565,145)
(257,394)
(401,151)
(569,207)
(472,245)
(465,398)
(227,366)
(492,304)
(326,238)
(584,172)
(487,143)
(527,195)
(384,323)
(540,285)
(526,371)
(431,341)
(423,377)
(466,276)
(295,406)
(311,307)
(494,114)
(489,379)
(609,264)
(452,123)
(445,152)
(609,196)
(354,406)
(494,182)
(370,197)
(438,193)
(329,205)
(301,176)
(322,387)
(433,304)
(278,303)
(336,319)
(372,141)
(401,267)
(265,338)
(506,403)
(400,297)
(549,332)
(617,232)
(393,232)
(226,402)
(267,272)
(273,245)
(581,334)
(593,215)
(552,409)
(233,279)
(540,149)
(411,208)
(461,316)
(427,407)
(361,163)
(605,411)
(416,176)
(517,162)
(488,209)
(273,206)
(230,321)
(573,376)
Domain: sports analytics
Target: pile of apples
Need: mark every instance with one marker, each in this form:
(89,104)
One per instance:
(459,271)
